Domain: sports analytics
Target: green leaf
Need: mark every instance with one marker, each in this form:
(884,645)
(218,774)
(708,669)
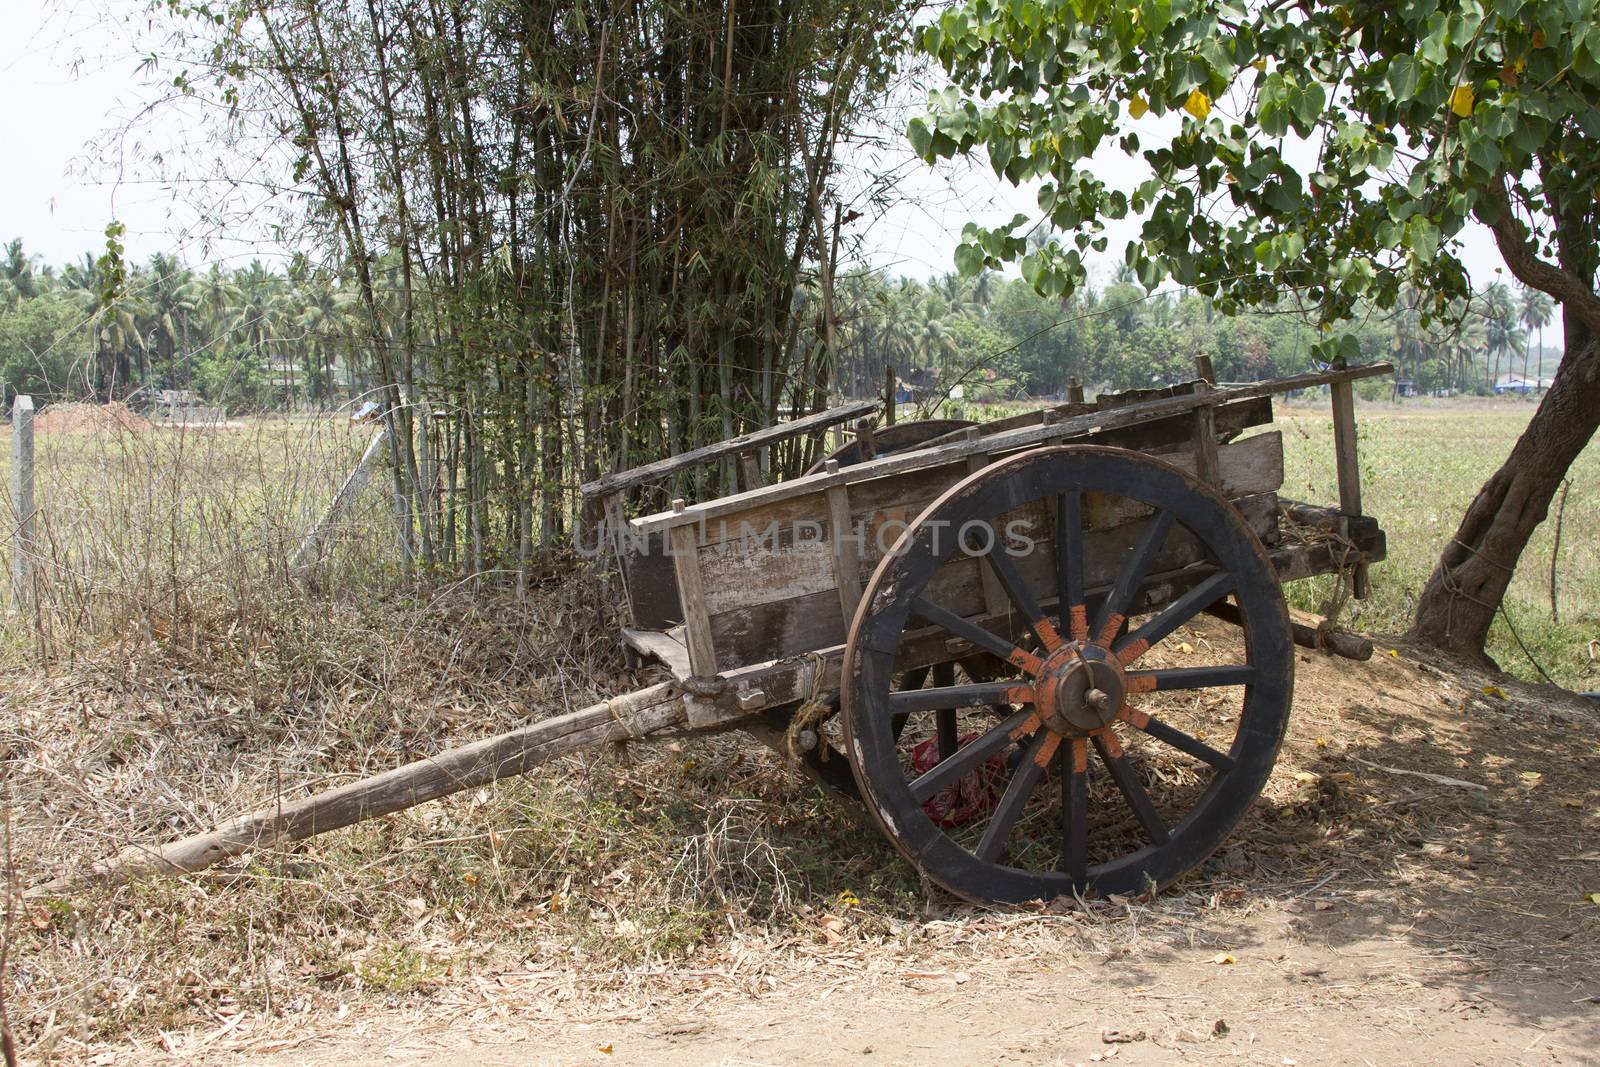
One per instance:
(1402,78)
(970,260)
(1422,237)
(921,138)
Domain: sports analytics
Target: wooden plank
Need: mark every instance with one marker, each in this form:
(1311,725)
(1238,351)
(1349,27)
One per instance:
(998,444)
(649,472)
(1348,467)
(749,471)
(845,549)
(691,597)
(780,553)
(754,632)
(869,444)
(994,594)
(666,646)
(1203,440)
(652,581)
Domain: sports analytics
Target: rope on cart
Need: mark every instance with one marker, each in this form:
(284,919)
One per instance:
(817,709)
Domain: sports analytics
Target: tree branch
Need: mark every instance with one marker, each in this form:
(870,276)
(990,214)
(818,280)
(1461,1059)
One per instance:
(1511,236)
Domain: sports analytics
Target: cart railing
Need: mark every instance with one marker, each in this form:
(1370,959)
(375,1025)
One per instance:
(777,571)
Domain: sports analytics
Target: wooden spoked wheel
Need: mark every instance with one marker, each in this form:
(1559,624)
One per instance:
(1152,765)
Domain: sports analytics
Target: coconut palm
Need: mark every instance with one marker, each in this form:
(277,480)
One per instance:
(1536,311)
(1502,337)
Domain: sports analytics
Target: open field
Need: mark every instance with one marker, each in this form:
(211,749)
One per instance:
(1421,464)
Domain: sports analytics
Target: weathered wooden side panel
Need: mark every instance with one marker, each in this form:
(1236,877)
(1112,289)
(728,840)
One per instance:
(783,552)
(756,632)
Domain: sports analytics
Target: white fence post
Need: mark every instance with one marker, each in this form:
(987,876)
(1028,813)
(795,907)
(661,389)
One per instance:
(22,541)
(310,550)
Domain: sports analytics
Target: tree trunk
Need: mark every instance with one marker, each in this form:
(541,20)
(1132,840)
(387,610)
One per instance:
(1460,600)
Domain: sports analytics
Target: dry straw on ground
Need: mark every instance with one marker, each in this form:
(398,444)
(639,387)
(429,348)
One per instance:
(172,677)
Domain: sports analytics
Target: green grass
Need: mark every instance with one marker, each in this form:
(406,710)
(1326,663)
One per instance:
(1422,462)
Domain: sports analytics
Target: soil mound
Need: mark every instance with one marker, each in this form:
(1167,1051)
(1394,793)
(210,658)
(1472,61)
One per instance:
(88,418)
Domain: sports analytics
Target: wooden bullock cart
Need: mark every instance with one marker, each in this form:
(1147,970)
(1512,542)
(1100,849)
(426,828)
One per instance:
(989,610)
(1050,654)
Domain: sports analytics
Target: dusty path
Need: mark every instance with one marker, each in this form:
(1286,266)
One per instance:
(1345,986)
(1413,888)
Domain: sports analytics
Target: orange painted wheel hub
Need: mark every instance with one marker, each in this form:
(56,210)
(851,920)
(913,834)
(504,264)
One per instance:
(1079,689)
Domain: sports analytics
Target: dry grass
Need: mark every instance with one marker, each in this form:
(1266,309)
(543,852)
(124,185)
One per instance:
(181,681)
(617,885)
(1422,462)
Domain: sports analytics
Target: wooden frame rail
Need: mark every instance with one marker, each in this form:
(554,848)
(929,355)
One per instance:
(649,472)
(947,450)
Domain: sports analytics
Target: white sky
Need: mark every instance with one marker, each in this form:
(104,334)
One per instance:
(69,77)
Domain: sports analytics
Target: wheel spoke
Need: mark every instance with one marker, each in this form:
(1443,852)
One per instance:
(951,697)
(1021,787)
(966,759)
(952,623)
(944,675)
(1075,811)
(1017,590)
(1127,780)
(1174,615)
(1176,738)
(1069,564)
(1190,677)
(1115,610)
(912,679)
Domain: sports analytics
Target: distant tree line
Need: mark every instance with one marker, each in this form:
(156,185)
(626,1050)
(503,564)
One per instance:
(249,338)
(254,339)
(1001,340)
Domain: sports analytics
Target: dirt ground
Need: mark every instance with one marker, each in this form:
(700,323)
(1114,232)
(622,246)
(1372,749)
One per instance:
(1414,887)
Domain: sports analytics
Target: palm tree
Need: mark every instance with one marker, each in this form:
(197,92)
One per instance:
(171,303)
(1536,312)
(114,316)
(1500,333)
(19,270)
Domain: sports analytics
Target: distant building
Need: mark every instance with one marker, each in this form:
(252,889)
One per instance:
(1516,383)
(1404,387)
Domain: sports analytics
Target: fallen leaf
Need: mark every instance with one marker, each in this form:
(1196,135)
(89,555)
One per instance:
(1593,898)
(606,1049)
(1494,691)
(1222,958)
(1184,646)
